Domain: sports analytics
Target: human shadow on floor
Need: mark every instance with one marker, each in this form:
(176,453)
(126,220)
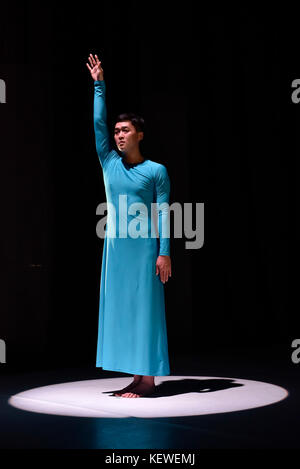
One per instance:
(185,386)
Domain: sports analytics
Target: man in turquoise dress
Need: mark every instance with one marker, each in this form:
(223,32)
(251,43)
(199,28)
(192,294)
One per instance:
(132,334)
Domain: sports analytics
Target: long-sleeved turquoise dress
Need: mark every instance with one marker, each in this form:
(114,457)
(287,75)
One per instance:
(132,333)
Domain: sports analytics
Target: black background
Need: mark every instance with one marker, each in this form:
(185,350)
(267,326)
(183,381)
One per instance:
(215,90)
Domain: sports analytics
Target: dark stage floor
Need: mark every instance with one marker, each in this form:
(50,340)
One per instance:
(159,422)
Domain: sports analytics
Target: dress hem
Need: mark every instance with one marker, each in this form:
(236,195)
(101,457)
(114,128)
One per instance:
(143,373)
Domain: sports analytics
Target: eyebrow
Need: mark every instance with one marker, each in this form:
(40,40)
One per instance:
(124,127)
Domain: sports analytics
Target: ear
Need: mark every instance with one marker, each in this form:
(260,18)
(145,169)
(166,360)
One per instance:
(140,136)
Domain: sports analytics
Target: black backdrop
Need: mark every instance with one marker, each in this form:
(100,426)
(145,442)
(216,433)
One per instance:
(215,90)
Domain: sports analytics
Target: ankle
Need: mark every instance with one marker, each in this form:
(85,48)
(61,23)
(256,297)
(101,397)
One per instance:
(148,380)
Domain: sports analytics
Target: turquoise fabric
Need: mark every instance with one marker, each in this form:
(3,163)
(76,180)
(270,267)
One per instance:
(132,334)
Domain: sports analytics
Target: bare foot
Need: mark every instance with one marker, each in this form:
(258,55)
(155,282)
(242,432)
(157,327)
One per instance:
(134,383)
(140,390)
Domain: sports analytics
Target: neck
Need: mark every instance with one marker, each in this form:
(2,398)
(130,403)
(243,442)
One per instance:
(133,156)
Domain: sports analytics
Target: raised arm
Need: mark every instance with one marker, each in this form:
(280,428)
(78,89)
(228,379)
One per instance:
(100,114)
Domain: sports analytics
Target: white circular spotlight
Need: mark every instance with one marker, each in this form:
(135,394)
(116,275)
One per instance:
(177,396)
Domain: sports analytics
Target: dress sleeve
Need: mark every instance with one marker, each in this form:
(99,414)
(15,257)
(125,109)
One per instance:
(100,122)
(162,191)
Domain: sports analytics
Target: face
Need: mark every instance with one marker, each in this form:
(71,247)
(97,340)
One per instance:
(126,136)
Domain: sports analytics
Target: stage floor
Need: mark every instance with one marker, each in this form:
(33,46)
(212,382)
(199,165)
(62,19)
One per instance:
(228,399)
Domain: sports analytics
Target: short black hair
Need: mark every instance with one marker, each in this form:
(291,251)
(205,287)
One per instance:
(137,121)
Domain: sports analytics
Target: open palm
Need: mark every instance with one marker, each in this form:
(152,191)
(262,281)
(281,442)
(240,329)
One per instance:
(95,68)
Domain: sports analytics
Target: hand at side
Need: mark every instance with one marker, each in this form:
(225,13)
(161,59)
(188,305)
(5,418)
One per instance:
(163,267)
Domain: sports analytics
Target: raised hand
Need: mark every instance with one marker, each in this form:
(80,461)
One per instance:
(95,68)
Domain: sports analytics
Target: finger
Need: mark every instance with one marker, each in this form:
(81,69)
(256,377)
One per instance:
(88,67)
(93,60)
(97,59)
